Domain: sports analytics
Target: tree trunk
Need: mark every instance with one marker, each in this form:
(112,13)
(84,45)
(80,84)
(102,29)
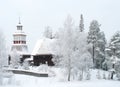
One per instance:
(82,73)
(69,69)
(112,75)
(113,66)
(69,76)
(69,72)
(93,56)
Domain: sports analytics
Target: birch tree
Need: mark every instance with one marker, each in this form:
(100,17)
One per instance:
(71,49)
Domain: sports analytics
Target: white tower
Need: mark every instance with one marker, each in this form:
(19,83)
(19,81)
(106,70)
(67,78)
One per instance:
(19,40)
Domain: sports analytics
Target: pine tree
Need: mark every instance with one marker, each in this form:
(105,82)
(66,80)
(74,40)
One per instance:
(81,26)
(117,68)
(93,36)
(114,45)
(100,50)
(113,54)
(98,41)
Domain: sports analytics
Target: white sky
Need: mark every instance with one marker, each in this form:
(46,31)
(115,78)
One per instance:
(36,14)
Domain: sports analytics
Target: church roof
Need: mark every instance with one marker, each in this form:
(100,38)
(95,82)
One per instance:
(43,46)
(19,33)
(21,48)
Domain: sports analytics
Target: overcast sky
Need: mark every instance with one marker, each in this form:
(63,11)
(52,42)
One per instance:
(36,14)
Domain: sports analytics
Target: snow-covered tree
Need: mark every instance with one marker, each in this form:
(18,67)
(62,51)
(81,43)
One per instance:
(81,26)
(81,57)
(3,50)
(114,45)
(43,68)
(88,75)
(104,75)
(93,35)
(48,32)
(71,49)
(3,55)
(26,65)
(113,54)
(98,41)
(100,50)
(15,59)
(98,75)
(117,69)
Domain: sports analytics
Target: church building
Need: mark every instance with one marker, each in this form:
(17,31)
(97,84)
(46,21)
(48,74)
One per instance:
(41,54)
(19,43)
(19,40)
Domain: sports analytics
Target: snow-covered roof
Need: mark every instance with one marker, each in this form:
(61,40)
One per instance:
(20,48)
(43,46)
(19,32)
(20,52)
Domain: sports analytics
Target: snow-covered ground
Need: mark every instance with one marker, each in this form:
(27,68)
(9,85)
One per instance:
(31,81)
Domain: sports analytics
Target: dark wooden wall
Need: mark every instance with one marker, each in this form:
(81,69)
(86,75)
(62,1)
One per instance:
(43,59)
(23,57)
(37,59)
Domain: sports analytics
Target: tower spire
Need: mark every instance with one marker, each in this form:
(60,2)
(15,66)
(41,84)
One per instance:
(19,21)
(19,26)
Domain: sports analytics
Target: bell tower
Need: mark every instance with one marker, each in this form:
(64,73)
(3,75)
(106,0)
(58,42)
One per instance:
(19,39)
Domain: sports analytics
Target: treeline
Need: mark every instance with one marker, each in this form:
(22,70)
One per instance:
(78,51)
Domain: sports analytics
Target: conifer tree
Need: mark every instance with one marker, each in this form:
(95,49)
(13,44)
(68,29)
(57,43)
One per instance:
(93,36)
(100,50)
(113,55)
(98,41)
(81,26)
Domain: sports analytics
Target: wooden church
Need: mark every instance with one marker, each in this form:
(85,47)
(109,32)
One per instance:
(19,44)
(41,53)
